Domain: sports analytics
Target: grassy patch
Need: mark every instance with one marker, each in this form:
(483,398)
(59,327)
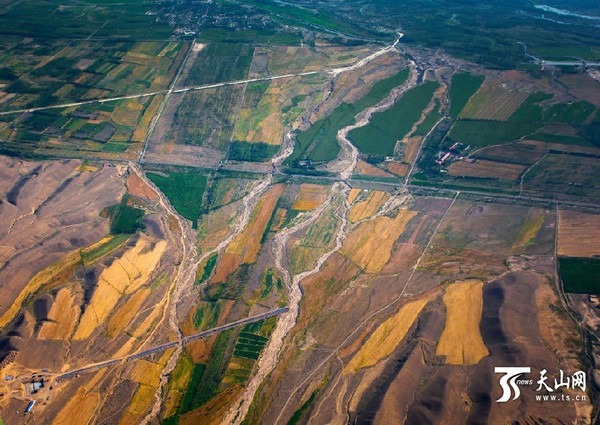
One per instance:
(463,86)
(207,315)
(184,191)
(580,275)
(531,110)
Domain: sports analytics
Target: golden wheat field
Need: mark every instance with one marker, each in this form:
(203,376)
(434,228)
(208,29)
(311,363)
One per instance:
(369,245)
(461,340)
(386,337)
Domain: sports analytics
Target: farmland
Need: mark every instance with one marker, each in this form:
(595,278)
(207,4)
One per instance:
(492,102)
(486,133)
(386,128)
(369,245)
(406,258)
(578,234)
(319,142)
(580,275)
(206,118)
(184,191)
(319,238)
(80,71)
(461,341)
(463,86)
(487,169)
(387,337)
(220,62)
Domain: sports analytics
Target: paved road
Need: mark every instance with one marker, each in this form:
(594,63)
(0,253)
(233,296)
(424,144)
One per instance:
(186,340)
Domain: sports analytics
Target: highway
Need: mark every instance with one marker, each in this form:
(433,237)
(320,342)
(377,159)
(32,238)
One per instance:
(186,340)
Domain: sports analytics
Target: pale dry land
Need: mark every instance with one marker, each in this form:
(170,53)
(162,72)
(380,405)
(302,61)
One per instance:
(49,209)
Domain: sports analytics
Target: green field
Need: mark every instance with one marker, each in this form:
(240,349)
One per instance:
(206,378)
(184,190)
(531,110)
(47,19)
(125,219)
(484,133)
(432,118)
(312,18)
(206,118)
(580,275)
(463,86)
(220,62)
(251,36)
(379,137)
(319,142)
(90,256)
(208,268)
(253,152)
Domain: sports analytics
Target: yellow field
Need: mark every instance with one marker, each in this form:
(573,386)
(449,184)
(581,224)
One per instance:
(141,400)
(310,196)
(81,407)
(139,135)
(493,102)
(51,273)
(125,275)
(147,374)
(386,337)
(487,169)
(353,194)
(121,318)
(578,234)
(529,230)
(363,167)
(369,246)
(62,317)
(397,168)
(263,123)
(461,340)
(247,243)
(89,168)
(245,246)
(368,207)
